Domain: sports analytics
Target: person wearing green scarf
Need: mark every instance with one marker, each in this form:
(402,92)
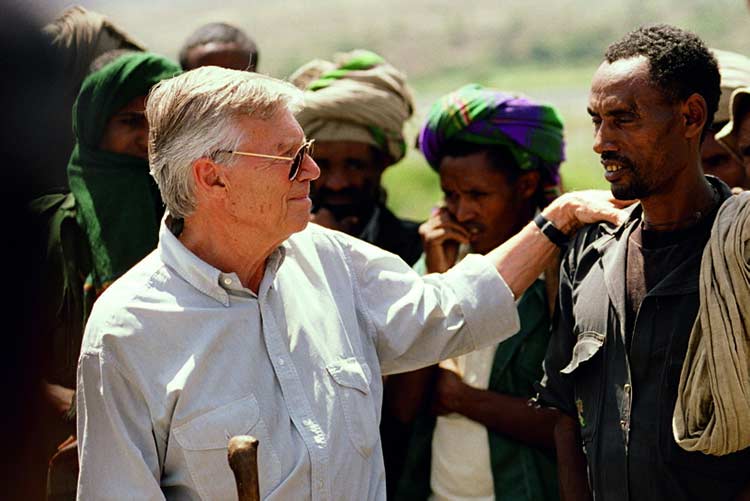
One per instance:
(117,200)
(106,224)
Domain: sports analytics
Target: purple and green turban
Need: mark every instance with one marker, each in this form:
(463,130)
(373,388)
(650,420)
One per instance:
(474,114)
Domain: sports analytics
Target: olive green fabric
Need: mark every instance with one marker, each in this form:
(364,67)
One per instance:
(519,472)
(62,302)
(118,203)
(712,413)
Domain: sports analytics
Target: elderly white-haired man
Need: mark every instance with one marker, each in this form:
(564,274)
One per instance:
(248,320)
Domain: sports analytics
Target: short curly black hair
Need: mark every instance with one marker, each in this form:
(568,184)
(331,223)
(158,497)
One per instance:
(679,63)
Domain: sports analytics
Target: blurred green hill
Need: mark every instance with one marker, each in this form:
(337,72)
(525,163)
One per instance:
(545,49)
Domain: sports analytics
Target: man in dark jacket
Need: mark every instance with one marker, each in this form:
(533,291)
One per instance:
(629,295)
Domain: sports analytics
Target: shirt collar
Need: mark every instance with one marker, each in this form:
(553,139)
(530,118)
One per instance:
(206,278)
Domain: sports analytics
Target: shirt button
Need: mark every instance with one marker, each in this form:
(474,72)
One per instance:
(623,424)
(227,281)
(626,387)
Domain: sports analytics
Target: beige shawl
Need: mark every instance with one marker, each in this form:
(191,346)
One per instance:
(712,413)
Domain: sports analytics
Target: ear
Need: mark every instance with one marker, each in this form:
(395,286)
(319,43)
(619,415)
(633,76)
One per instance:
(527,184)
(208,178)
(695,114)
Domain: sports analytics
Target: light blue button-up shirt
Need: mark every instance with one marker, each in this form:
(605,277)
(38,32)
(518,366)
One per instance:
(178,357)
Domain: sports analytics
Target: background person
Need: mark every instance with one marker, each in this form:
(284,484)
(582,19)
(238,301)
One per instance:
(219,44)
(105,224)
(498,156)
(78,37)
(355,109)
(718,160)
(735,135)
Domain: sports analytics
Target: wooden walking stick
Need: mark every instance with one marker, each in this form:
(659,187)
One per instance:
(243,459)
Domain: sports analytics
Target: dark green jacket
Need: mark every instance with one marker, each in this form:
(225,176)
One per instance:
(63,300)
(519,472)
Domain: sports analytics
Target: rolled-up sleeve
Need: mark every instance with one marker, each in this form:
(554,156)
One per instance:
(419,321)
(117,450)
(556,389)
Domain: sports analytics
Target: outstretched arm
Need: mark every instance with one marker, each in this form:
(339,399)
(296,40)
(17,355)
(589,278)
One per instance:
(522,258)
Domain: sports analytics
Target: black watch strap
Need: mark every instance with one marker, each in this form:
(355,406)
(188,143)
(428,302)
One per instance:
(551,231)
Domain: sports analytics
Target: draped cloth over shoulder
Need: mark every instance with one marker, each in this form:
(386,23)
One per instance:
(712,413)
(118,202)
(359,97)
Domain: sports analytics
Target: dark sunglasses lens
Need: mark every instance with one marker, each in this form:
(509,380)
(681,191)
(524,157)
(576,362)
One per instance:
(297,162)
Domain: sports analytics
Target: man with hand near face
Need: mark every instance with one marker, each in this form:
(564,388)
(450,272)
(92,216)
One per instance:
(498,156)
(355,109)
(629,295)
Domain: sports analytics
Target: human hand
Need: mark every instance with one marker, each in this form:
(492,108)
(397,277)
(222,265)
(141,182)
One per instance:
(572,210)
(450,390)
(325,217)
(441,236)
(59,397)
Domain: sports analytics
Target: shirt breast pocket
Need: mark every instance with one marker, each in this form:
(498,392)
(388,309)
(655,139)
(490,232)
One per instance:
(586,367)
(204,441)
(352,387)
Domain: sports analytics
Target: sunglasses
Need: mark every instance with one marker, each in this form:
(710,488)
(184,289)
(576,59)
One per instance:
(305,149)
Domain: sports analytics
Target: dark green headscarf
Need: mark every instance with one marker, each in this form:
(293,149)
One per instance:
(118,202)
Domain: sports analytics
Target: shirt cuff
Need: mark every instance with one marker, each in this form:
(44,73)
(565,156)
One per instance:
(486,300)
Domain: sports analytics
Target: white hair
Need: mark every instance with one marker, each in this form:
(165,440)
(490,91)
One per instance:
(194,115)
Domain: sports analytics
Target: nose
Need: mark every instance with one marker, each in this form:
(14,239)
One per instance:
(308,170)
(465,210)
(604,139)
(334,179)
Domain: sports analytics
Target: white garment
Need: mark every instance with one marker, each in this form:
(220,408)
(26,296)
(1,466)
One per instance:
(461,469)
(178,357)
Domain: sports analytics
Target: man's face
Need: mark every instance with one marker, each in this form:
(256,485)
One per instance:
(718,162)
(260,198)
(224,55)
(349,182)
(481,199)
(637,131)
(126,131)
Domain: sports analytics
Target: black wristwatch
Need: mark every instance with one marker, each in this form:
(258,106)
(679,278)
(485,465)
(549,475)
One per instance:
(551,231)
